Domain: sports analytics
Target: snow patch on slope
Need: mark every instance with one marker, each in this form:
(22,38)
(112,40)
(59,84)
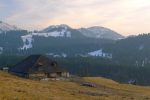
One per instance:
(96,53)
(1,50)
(27,41)
(100,53)
(62,33)
(57,31)
(64,55)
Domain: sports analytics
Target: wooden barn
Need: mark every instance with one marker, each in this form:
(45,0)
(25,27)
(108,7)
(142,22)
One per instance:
(38,67)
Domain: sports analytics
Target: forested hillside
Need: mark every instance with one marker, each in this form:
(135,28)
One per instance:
(133,51)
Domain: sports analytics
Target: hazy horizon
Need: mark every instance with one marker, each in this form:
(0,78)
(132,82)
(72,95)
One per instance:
(123,16)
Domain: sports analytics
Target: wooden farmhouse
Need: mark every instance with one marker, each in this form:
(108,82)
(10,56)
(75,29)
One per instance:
(38,67)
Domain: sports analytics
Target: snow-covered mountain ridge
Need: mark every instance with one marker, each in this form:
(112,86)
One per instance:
(64,30)
(51,31)
(91,32)
(6,27)
(61,40)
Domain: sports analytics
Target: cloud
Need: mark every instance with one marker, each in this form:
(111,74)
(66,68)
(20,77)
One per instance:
(58,11)
(121,15)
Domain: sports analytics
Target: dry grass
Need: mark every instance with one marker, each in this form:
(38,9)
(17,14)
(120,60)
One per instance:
(14,88)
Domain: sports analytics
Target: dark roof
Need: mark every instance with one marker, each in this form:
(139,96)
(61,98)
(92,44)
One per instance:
(30,64)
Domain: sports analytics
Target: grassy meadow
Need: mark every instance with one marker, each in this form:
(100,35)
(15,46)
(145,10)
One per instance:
(15,88)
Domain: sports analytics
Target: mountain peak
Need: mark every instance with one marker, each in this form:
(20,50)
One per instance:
(92,32)
(100,32)
(99,28)
(63,25)
(6,27)
(56,27)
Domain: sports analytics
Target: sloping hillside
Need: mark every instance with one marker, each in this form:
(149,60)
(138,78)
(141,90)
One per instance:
(14,88)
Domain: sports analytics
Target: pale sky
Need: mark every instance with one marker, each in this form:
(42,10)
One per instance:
(126,17)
